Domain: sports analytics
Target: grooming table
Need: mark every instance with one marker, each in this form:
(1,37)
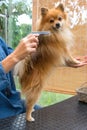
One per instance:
(67,115)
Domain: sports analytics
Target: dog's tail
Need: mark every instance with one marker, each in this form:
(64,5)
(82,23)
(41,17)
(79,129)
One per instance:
(19,69)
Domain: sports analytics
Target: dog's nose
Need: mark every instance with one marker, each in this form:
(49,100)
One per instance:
(57,25)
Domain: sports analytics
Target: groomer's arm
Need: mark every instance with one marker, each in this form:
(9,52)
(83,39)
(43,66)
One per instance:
(26,46)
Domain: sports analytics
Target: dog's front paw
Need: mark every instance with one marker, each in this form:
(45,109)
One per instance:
(30,118)
(73,62)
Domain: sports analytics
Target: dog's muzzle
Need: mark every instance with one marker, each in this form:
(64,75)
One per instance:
(57,25)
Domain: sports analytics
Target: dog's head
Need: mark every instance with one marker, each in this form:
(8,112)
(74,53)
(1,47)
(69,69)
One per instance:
(52,19)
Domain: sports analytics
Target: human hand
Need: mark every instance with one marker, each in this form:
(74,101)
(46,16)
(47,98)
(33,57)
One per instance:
(82,60)
(26,46)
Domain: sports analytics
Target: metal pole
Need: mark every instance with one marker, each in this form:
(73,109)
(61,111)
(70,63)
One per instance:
(9,40)
(6,25)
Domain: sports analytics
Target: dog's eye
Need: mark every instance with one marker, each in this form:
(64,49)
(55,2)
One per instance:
(51,20)
(60,18)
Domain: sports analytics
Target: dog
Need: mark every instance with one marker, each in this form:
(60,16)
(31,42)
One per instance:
(52,49)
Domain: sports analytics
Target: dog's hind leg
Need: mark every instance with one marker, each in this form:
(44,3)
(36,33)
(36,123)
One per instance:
(31,101)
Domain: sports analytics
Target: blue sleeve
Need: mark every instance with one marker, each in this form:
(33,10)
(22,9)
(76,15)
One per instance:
(5,47)
(4,51)
(4,83)
(10,50)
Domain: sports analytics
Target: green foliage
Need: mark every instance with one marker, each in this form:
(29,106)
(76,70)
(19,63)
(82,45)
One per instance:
(19,31)
(21,7)
(2,27)
(49,98)
(3,6)
(14,31)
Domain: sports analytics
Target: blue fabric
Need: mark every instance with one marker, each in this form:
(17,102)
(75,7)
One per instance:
(10,100)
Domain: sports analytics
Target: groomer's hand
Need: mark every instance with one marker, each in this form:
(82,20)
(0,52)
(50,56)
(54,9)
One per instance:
(26,46)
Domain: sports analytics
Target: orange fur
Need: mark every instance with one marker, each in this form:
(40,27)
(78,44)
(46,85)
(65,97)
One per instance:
(52,49)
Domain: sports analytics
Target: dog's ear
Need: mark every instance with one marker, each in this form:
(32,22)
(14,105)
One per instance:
(60,6)
(44,11)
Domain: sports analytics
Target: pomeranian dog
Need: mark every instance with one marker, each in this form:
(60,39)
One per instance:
(53,48)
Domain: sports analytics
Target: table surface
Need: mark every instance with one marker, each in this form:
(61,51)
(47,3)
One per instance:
(67,115)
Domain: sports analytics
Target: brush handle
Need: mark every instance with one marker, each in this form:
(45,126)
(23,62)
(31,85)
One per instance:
(41,32)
